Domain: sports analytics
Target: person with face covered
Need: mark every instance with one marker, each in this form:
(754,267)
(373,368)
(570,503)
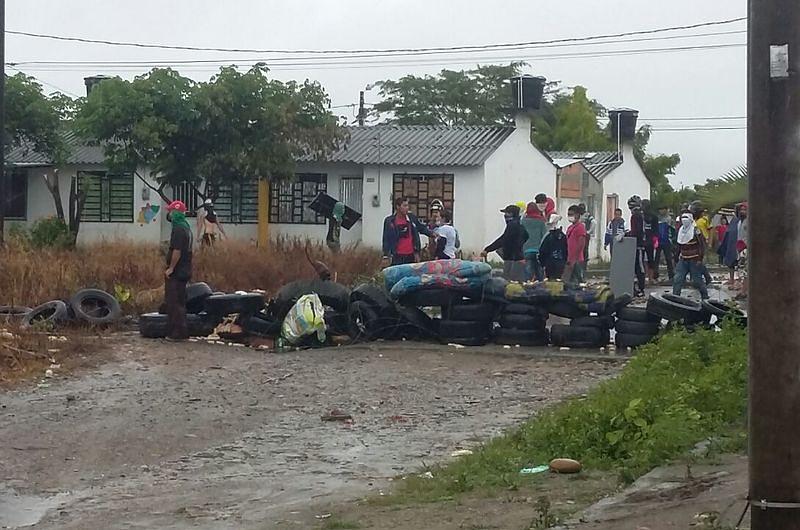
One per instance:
(691,251)
(333,238)
(178,272)
(509,244)
(534,223)
(553,250)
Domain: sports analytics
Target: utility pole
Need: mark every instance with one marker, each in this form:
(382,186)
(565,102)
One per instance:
(773,160)
(3,186)
(361,113)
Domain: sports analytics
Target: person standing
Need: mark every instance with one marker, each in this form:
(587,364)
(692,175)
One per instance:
(665,236)
(447,237)
(615,231)
(576,246)
(208,224)
(691,249)
(553,250)
(509,245)
(401,232)
(742,245)
(590,224)
(178,272)
(650,238)
(333,238)
(534,225)
(720,230)
(637,232)
(703,223)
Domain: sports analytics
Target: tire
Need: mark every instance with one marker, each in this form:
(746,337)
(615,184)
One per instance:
(470,312)
(362,321)
(454,330)
(518,337)
(374,296)
(229,304)
(637,314)
(416,322)
(261,325)
(629,340)
(674,308)
(428,298)
(526,309)
(604,322)
(563,308)
(474,341)
(54,312)
(330,293)
(723,311)
(153,325)
(620,302)
(630,327)
(336,323)
(196,295)
(201,325)
(95,306)
(522,322)
(9,313)
(577,336)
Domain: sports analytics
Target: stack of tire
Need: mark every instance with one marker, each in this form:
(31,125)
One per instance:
(583,332)
(371,315)
(467,322)
(523,325)
(90,306)
(635,327)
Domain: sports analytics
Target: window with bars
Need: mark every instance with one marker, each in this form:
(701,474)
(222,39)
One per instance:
(422,190)
(109,197)
(289,200)
(189,195)
(236,203)
(16,198)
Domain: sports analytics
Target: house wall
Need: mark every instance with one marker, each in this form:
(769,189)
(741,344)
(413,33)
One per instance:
(626,180)
(588,191)
(516,171)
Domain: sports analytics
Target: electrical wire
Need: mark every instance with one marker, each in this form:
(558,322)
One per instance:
(742,128)
(42,81)
(87,40)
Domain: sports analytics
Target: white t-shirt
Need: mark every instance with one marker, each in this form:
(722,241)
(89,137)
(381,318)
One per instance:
(449,234)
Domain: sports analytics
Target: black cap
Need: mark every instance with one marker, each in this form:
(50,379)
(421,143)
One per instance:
(541,198)
(511,209)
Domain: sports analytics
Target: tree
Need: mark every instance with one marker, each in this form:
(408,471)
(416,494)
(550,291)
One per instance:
(569,123)
(32,121)
(481,96)
(657,168)
(235,127)
(725,191)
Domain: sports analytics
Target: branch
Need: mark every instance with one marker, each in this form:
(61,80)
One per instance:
(159,190)
(55,191)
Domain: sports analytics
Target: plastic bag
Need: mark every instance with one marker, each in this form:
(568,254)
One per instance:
(306,317)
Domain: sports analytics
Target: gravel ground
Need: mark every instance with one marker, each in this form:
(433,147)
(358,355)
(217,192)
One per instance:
(200,436)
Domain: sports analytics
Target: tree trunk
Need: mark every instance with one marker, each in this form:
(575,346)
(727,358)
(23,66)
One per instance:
(76,203)
(51,181)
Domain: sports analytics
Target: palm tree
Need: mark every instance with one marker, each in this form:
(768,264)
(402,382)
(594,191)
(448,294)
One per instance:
(725,191)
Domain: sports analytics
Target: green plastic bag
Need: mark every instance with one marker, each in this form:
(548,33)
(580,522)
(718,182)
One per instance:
(306,317)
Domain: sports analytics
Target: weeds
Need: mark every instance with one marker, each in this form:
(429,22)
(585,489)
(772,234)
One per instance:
(337,524)
(685,388)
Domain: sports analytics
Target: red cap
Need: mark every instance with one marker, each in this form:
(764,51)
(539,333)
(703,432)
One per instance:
(176,206)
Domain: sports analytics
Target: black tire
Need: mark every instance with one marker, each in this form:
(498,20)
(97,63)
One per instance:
(196,295)
(453,330)
(472,341)
(330,293)
(261,325)
(374,296)
(604,322)
(620,302)
(566,309)
(578,336)
(201,325)
(362,321)
(637,328)
(336,323)
(723,311)
(674,308)
(470,312)
(54,312)
(428,298)
(95,306)
(522,322)
(416,322)
(518,337)
(10,313)
(229,304)
(153,325)
(637,314)
(526,309)
(629,340)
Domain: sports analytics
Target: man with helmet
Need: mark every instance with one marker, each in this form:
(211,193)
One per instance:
(178,272)
(637,231)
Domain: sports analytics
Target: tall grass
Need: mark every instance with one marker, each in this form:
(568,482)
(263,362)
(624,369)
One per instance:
(32,276)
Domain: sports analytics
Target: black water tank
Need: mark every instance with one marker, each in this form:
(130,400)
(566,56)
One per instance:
(623,120)
(93,81)
(527,91)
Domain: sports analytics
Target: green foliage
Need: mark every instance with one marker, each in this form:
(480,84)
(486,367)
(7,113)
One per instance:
(685,388)
(50,232)
(569,123)
(481,96)
(725,191)
(658,168)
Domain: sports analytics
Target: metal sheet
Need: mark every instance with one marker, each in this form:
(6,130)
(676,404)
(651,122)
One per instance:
(622,266)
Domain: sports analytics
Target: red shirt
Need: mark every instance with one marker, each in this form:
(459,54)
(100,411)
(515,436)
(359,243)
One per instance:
(576,241)
(405,244)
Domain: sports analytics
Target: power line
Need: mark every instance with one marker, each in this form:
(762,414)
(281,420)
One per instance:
(362,51)
(42,81)
(376,55)
(701,129)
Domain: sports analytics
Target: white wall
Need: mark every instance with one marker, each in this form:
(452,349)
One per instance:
(517,171)
(626,180)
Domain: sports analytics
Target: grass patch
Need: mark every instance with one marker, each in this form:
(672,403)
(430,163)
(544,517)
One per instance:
(338,524)
(685,388)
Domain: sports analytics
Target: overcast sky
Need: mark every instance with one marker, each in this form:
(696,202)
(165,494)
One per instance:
(697,83)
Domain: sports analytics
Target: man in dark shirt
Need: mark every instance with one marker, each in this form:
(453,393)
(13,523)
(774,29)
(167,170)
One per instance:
(637,230)
(179,271)
(510,243)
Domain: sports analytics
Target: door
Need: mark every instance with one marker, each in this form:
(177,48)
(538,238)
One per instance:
(351,194)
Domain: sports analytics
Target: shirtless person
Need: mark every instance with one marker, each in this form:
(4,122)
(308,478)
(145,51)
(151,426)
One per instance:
(208,224)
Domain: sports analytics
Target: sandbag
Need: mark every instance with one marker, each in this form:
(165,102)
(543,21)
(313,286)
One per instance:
(445,267)
(306,317)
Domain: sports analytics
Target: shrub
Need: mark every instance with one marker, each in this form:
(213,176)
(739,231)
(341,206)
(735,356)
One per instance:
(50,232)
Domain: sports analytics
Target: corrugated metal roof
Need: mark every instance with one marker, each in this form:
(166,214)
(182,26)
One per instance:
(419,145)
(79,153)
(598,163)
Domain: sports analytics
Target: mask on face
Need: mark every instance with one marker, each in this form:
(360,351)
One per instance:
(508,217)
(686,222)
(541,207)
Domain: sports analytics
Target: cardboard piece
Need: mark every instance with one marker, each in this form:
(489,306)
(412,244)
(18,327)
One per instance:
(323,204)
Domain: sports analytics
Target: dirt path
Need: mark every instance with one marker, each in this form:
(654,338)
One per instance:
(200,436)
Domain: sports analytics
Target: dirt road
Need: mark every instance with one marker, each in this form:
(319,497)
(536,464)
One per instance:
(201,436)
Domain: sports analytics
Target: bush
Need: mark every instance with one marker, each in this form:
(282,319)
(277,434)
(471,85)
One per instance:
(50,232)
(673,394)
